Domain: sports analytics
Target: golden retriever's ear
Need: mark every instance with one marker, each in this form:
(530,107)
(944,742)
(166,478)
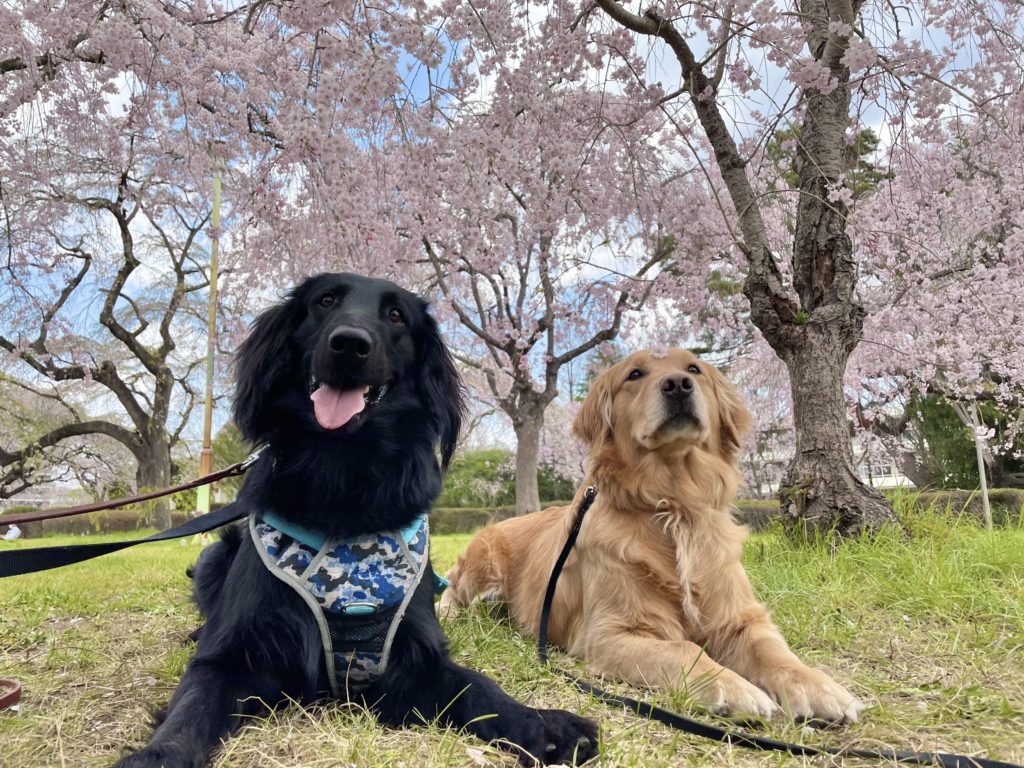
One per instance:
(733,415)
(594,419)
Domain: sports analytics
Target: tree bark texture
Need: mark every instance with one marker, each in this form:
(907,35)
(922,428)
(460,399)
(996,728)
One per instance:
(154,473)
(820,490)
(527,428)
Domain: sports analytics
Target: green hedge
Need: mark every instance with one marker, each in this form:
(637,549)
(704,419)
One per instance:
(469,519)
(1007,503)
(1007,509)
(442,520)
(755,513)
(110,521)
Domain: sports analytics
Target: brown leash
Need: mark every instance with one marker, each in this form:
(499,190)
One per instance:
(82,509)
(10,693)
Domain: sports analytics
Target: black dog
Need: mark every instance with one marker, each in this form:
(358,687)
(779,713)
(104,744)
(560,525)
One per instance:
(358,459)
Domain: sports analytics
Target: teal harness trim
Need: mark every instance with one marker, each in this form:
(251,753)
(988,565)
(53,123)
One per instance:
(300,533)
(358,589)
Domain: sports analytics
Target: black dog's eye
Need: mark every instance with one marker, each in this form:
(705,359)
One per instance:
(635,374)
(693,368)
(395,316)
(326,300)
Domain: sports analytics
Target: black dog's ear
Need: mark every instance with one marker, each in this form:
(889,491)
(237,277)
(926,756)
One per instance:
(262,362)
(442,388)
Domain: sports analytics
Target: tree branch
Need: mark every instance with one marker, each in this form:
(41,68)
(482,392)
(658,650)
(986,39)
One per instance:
(772,307)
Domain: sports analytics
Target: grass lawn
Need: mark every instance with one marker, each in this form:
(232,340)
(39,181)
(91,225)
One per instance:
(926,628)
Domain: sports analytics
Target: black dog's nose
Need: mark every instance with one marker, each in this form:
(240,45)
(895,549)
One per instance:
(677,385)
(348,340)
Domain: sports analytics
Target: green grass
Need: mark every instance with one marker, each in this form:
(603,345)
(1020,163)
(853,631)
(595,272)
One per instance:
(928,628)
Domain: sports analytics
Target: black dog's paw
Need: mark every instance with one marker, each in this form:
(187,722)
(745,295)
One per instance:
(154,757)
(556,736)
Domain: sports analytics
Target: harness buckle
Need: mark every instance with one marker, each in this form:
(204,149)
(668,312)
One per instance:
(359,609)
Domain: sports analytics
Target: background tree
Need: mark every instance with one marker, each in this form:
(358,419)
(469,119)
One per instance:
(96,463)
(539,215)
(525,167)
(829,50)
(102,259)
(943,281)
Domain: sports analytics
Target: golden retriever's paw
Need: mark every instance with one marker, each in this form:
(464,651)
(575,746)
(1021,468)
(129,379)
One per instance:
(448,607)
(809,694)
(730,694)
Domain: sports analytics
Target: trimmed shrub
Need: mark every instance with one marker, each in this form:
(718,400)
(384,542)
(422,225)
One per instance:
(1007,509)
(755,513)
(1007,504)
(109,521)
(469,519)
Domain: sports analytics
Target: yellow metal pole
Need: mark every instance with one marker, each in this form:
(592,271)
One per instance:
(206,454)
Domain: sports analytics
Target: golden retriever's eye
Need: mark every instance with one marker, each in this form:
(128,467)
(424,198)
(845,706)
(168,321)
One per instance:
(693,368)
(395,316)
(635,374)
(326,300)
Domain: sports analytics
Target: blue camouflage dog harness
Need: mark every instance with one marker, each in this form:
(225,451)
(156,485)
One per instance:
(357,588)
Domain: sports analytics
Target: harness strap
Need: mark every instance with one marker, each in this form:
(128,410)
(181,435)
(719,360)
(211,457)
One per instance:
(714,732)
(15,562)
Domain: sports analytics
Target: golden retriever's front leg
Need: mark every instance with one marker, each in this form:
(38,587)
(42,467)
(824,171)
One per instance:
(644,660)
(477,576)
(749,642)
(759,653)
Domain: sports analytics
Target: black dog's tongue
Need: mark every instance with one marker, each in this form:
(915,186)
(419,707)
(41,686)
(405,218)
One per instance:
(335,408)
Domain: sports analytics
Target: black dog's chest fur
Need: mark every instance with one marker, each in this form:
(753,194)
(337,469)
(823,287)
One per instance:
(370,490)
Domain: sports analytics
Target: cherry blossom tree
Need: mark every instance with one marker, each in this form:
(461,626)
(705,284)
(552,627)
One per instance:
(107,119)
(945,274)
(112,118)
(97,463)
(103,334)
(538,204)
(540,170)
(837,64)
(559,449)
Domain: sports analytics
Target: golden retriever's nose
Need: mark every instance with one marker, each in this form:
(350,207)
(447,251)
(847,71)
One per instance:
(677,385)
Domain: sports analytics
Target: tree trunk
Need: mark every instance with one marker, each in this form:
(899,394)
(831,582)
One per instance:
(154,473)
(914,469)
(820,491)
(527,428)
(815,334)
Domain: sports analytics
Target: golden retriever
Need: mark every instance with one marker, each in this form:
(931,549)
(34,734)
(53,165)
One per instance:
(654,592)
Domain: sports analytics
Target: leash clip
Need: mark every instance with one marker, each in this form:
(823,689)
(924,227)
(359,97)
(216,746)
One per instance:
(252,458)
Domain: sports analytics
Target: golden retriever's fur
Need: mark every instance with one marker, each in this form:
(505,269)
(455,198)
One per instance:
(654,592)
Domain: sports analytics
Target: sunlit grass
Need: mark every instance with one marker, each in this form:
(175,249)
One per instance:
(928,628)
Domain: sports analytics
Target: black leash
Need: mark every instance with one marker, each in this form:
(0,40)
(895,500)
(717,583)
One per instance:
(15,562)
(713,732)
